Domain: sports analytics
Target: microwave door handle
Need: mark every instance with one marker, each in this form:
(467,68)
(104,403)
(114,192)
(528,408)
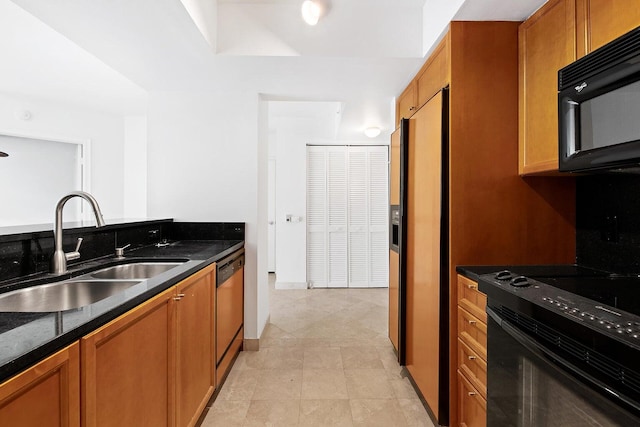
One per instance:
(545,354)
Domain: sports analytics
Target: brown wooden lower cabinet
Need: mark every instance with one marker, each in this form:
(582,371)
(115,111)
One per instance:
(195,369)
(127,368)
(153,366)
(47,394)
(472,354)
(472,407)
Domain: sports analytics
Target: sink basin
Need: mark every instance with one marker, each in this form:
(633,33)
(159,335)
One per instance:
(138,270)
(61,296)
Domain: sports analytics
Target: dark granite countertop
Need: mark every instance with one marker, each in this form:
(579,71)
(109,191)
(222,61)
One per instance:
(545,270)
(26,338)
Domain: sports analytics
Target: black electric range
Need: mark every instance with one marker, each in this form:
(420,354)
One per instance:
(581,321)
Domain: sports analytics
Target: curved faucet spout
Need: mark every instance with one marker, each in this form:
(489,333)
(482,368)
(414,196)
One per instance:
(60,258)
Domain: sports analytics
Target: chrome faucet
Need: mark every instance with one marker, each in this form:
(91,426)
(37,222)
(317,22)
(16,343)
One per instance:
(60,258)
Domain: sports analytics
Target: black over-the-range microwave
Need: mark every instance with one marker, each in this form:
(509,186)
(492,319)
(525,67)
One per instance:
(599,108)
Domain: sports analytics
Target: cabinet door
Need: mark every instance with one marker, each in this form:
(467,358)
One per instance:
(602,21)
(47,394)
(435,72)
(423,250)
(195,369)
(547,42)
(127,368)
(407,102)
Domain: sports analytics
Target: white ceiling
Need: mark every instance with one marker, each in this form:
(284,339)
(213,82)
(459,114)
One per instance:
(107,54)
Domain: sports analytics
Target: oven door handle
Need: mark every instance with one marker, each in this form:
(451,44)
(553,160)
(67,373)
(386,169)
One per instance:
(545,353)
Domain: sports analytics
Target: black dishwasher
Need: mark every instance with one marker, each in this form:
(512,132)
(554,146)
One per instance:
(229,310)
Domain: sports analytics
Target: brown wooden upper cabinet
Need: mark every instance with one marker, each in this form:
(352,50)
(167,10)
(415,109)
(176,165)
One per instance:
(560,32)
(407,102)
(600,21)
(433,76)
(547,42)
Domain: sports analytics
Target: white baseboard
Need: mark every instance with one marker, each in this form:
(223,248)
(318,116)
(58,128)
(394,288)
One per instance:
(291,285)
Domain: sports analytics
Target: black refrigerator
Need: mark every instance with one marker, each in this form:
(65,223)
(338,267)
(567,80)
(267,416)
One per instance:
(419,251)
(397,237)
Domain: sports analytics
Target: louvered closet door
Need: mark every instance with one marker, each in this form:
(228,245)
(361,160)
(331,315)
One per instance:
(347,204)
(317,216)
(378,216)
(368,220)
(337,216)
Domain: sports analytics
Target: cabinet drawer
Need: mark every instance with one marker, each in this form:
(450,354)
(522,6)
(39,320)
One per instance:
(473,367)
(473,332)
(472,407)
(471,299)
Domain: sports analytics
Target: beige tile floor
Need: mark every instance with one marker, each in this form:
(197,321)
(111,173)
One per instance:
(324,360)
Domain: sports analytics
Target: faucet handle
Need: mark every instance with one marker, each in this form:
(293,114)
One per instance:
(70,256)
(120,251)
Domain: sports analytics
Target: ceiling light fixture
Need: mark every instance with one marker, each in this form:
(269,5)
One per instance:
(311,12)
(372,132)
(3,154)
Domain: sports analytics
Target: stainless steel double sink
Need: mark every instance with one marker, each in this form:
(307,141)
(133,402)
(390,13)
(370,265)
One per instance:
(83,290)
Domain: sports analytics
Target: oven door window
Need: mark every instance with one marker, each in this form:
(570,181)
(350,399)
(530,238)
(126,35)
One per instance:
(525,389)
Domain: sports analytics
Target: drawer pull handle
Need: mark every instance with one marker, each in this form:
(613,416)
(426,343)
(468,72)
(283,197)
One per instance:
(471,322)
(180,295)
(474,286)
(471,393)
(472,358)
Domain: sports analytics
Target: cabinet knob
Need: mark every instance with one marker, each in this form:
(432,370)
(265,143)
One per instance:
(471,322)
(472,358)
(471,393)
(473,286)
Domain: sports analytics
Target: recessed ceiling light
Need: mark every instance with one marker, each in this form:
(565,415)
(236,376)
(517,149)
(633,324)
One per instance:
(372,132)
(311,12)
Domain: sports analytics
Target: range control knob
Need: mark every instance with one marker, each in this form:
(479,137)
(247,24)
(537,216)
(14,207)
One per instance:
(504,275)
(519,282)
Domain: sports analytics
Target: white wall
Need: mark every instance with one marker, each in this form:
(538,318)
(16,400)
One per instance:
(135,166)
(291,175)
(203,166)
(291,139)
(51,120)
(436,15)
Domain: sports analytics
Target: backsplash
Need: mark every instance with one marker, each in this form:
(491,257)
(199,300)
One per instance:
(608,222)
(29,253)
